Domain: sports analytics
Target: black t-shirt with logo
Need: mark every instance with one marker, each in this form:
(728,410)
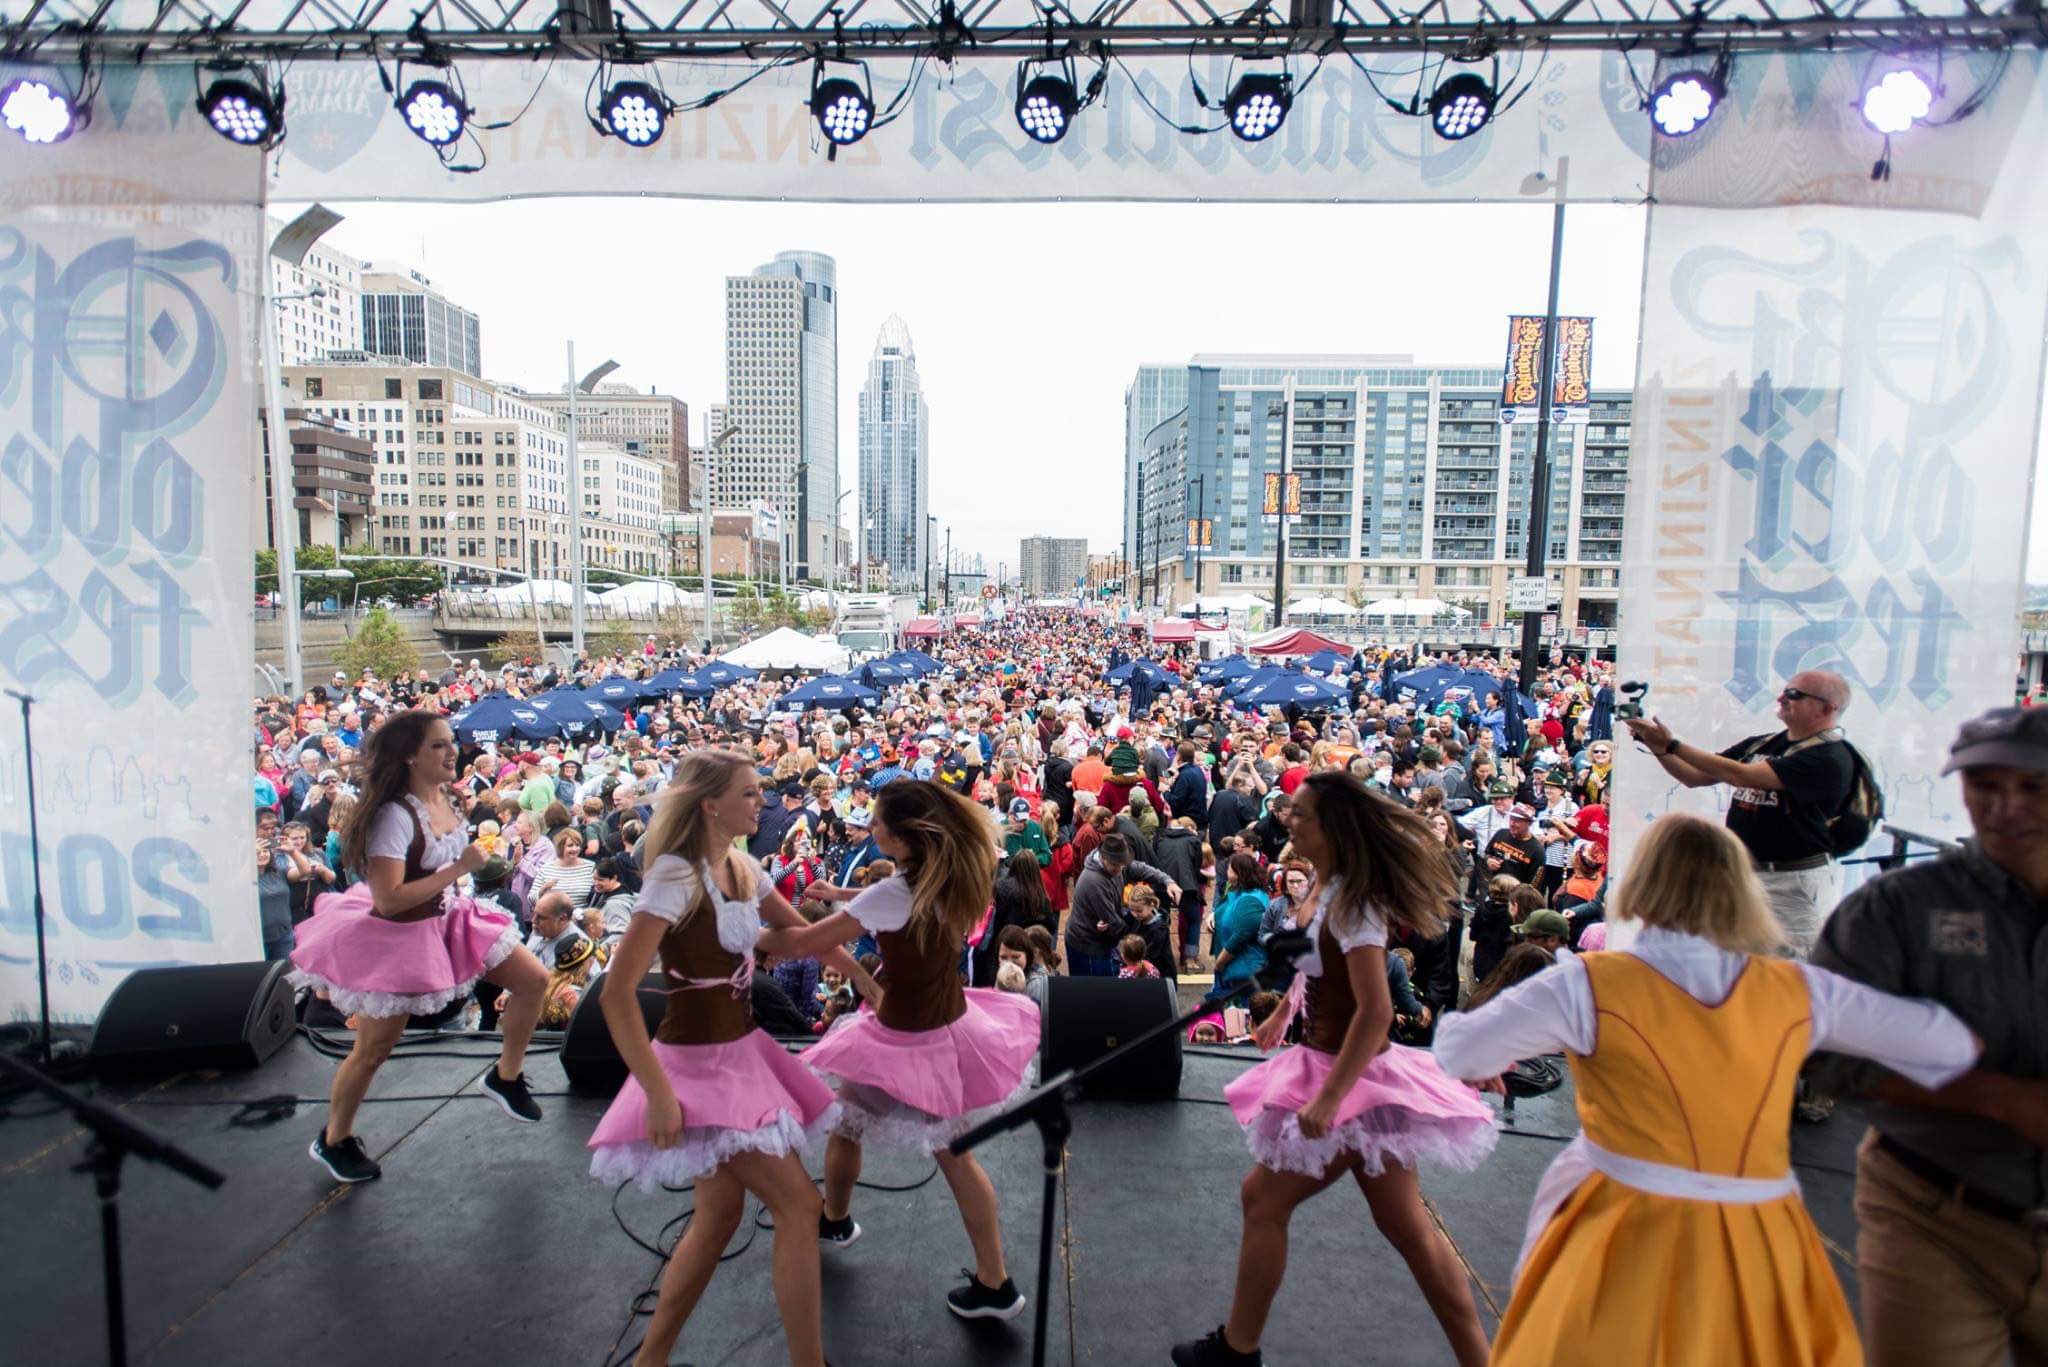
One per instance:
(1792,823)
(1520,857)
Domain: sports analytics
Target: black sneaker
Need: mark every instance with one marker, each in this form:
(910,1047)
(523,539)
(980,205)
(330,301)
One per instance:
(837,1233)
(345,1159)
(977,1302)
(1213,1350)
(511,1094)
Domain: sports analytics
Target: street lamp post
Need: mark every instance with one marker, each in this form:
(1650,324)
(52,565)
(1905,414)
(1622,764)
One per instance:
(704,529)
(289,246)
(585,385)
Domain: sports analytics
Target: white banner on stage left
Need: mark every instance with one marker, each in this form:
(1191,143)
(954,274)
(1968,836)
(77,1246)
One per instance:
(1834,438)
(127,456)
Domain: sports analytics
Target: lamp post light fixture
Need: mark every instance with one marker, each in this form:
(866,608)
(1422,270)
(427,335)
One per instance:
(576,386)
(290,246)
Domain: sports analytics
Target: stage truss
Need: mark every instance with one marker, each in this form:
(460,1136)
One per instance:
(182,31)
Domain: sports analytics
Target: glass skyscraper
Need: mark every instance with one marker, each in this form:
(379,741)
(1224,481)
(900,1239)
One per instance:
(895,457)
(782,392)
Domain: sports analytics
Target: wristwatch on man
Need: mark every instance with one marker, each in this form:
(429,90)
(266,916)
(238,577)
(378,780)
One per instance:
(1671,746)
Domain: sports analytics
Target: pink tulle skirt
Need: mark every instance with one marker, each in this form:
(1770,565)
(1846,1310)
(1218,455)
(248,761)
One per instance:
(922,1089)
(369,965)
(1402,1110)
(747,1096)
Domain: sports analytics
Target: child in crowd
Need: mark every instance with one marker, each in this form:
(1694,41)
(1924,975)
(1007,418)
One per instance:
(1016,946)
(1151,929)
(1411,1015)
(1047,947)
(1131,949)
(1009,978)
(1492,928)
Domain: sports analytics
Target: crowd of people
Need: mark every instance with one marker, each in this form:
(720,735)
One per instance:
(903,881)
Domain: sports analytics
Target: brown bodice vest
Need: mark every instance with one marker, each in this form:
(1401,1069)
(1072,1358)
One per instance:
(416,869)
(1329,998)
(701,1015)
(921,988)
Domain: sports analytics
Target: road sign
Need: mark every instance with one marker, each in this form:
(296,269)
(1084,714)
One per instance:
(1528,593)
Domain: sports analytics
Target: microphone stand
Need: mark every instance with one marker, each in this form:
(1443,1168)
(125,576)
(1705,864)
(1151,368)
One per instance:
(114,1137)
(35,863)
(1046,1107)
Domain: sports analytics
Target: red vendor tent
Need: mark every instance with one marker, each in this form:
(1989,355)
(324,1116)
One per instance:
(1300,641)
(923,629)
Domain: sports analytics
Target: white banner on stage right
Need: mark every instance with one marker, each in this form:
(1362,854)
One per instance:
(1834,434)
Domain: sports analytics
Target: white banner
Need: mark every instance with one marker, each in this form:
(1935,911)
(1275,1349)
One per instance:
(126,469)
(1834,429)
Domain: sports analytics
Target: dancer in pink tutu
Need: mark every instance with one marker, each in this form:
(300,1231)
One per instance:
(713,1100)
(405,941)
(932,1059)
(1346,1101)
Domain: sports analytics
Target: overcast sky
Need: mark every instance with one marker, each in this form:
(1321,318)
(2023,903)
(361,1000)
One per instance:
(1028,320)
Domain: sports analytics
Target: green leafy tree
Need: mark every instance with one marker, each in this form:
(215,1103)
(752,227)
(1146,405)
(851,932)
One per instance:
(378,644)
(311,590)
(747,610)
(404,582)
(514,646)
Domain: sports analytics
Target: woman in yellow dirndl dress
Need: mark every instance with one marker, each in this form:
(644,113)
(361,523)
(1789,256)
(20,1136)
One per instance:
(1671,1230)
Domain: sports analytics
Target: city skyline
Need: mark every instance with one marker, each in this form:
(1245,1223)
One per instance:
(1031,362)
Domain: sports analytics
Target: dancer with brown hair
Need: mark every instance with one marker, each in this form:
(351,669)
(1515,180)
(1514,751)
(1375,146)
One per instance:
(405,941)
(933,1058)
(1346,1101)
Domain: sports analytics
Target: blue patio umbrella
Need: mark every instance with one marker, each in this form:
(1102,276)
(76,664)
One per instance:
(828,690)
(1323,661)
(719,673)
(1262,675)
(577,711)
(499,719)
(909,655)
(671,681)
(615,692)
(1227,670)
(879,674)
(1305,691)
(1152,672)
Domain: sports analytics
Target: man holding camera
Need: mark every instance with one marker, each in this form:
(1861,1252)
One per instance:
(1786,787)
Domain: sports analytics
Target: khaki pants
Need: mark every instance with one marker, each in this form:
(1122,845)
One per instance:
(1801,900)
(1944,1285)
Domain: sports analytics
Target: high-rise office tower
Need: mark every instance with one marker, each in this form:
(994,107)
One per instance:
(404,315)
(895,458)
(782,392)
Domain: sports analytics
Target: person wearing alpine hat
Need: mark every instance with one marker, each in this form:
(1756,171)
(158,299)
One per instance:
(1785,789)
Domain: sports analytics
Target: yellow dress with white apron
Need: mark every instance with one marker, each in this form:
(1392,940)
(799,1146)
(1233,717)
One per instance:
(1671,1230)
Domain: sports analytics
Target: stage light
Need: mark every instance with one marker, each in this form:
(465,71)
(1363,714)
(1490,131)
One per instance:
(1897,102)
(1461,106)
(843,110)
(39,112)
(1684,101)
(243,112)
(1258,105)
(635,113)
(1046,107)
(434,112)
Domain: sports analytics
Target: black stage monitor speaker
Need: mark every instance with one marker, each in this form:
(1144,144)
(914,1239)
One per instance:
(200,1016)
(588,1057)
(1085,1018)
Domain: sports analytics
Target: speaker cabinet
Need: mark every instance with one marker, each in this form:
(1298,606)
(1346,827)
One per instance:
(588,1057)
(1085,1018)
(195,1016)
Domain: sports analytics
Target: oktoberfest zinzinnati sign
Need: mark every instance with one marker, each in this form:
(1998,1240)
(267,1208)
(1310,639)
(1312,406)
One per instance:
(1571,388)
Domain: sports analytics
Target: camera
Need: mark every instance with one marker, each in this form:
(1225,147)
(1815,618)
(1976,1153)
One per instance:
(1630,708)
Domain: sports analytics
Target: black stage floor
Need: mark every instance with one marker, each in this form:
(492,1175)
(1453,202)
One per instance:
(487,1243)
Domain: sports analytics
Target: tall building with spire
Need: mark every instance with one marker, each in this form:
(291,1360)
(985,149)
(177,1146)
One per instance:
(895,458)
